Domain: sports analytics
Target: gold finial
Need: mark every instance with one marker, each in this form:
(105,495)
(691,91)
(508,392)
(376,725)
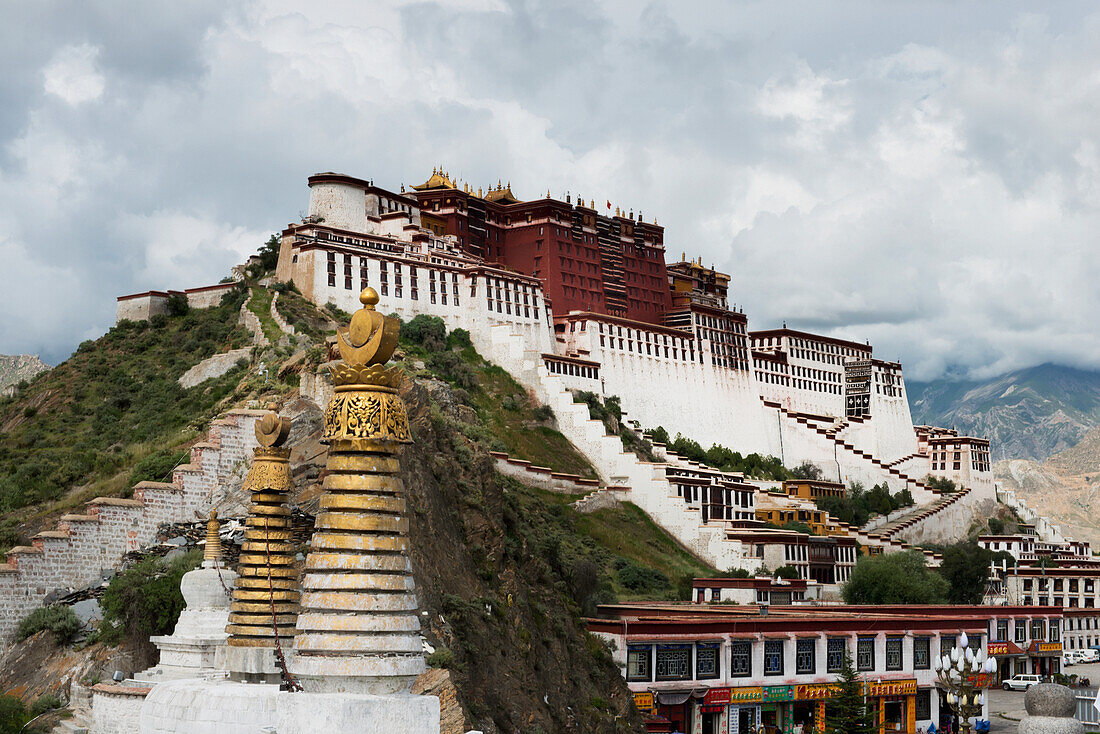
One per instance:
(272,430)
(213,550)
(479,192)
(617,212)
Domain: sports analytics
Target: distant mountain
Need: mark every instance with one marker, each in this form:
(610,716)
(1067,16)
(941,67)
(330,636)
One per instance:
(15,368)
(1031,413)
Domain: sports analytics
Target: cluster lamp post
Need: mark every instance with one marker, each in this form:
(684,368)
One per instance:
(958,674)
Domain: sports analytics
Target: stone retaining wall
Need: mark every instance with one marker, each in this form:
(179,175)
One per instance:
(75,554)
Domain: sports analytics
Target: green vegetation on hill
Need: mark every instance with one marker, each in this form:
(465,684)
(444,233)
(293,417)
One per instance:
(510,419)
(722,458)
(112,403)
(858,504)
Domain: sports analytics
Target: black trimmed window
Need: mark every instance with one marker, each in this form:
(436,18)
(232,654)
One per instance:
(805,656)
(706,660)
(773,657)
(835,649)
(1021,630)
(673,662)
(1037,629)
(922,653)
(947,644)
(865,653)
(638,663)
(740,658)
(1002,630)
(893,653)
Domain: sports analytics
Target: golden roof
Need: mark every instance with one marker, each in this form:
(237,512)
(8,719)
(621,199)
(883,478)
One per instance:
(502,194)
(438,180)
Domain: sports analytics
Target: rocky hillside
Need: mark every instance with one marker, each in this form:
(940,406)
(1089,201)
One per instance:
(1027,414)
(1065,487)
(16,368)
(506,573)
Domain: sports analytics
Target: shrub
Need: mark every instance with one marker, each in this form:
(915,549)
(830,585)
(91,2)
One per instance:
(157,466)
(13,716)
(543,413)
(145,599)
(636,577)
(786,572)
(459,338)
(59,619)
(44,703)
(658,435)
(441,658)
(428,331)
(807,470)
(177,304)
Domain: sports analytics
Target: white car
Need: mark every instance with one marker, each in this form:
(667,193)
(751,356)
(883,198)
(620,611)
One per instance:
(1021,682)
(1091,655)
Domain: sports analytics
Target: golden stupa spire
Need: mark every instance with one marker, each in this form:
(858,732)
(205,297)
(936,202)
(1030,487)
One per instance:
(213,549)
(358,629)
(266,591)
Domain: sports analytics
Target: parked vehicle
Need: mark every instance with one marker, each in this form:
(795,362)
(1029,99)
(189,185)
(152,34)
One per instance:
(1021,682)
(1091,655)
(1072,657)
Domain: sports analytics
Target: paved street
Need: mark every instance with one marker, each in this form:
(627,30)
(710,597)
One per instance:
(1007,707)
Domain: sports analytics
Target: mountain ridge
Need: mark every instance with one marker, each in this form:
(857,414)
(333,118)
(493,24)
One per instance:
(1031,413)
(14,368)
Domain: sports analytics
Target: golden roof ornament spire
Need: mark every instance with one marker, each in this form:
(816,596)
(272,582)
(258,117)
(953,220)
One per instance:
(213,549)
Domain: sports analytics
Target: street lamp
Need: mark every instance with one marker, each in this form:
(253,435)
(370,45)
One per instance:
(958,674)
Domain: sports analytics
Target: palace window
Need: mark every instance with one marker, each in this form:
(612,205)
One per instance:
(893,653)
(706,661)
(638,663)
(947,642)
(740,658)
(773,657)
(804,658)
(865,653)
(673,662)
(922,649)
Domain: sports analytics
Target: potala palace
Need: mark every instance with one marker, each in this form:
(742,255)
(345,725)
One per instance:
(567,298)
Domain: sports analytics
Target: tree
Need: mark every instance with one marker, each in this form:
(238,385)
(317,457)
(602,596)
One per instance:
(269,253)
(846,712)
(965,567)
(807,470)
(894,578)
(787,572)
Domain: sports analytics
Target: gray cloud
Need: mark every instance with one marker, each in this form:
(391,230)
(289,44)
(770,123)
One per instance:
(926,177)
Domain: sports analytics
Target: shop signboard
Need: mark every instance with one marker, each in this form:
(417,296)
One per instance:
(778,693)
(643,701)
(877,689)
(1045,648)
(753,694)
(980,680)
(717,697)
(1003,648)
(815,691)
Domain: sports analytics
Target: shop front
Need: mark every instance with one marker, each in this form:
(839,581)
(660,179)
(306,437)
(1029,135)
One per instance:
(1011,658)
(894,704)
(744,709)
(1046,657)
(809,707)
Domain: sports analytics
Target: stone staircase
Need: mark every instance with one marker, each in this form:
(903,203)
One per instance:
(75,554)
(643,483)
(921,492)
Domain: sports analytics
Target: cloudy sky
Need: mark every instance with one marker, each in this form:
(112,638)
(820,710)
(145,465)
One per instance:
(923,175)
